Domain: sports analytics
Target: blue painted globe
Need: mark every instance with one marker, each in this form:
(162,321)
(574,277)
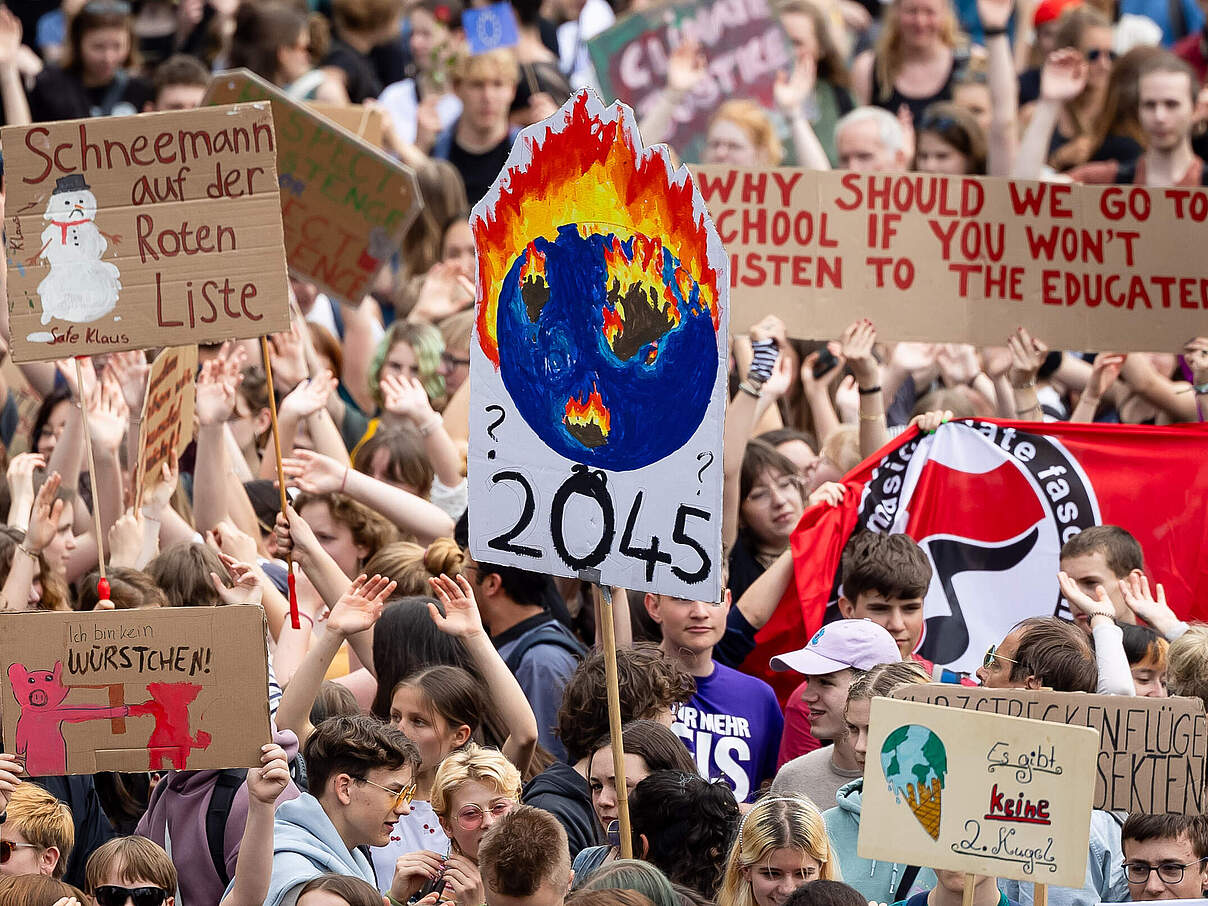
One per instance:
(606,347)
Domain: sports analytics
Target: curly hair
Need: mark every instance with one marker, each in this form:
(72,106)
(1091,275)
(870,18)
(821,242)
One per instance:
(688,823)
(650,683)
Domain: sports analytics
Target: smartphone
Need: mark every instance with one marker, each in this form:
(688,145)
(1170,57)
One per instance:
(826,361)
(436,885)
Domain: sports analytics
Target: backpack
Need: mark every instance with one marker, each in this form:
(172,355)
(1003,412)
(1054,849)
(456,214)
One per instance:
(550,633)
(226,784)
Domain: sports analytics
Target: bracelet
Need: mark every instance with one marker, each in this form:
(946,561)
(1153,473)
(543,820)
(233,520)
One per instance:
(25,550)
(433,423)
(344,480)
(872,418)
(748,389)
(993,32)
(307,617)
(1111,615)
(869,391)
(1031,383)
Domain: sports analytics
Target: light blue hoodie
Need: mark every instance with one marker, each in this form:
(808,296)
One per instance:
(876,881)
(306,845)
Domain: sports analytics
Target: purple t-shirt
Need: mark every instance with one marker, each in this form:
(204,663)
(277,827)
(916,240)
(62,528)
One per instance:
(732,726)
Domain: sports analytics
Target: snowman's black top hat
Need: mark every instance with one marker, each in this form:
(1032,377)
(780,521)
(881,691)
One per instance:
(72,182)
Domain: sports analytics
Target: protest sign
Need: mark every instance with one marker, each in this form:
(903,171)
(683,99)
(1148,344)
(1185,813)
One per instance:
(345,205)
(741,39)
(1152,751)
(963,259)
(167,423)
(977,793)
(363,122)
(124,228)
(598,371)
(134,690)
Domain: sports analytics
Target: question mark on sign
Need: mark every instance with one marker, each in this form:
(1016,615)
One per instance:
(701,472)
(492,426)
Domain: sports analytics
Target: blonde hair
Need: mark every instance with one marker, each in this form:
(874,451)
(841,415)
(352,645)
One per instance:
(883,679)
(753,120)
(486,766)
(1188,663)
(781,822)
(500,62)
(842,448)
(411,565)
(43,821)
(888,55)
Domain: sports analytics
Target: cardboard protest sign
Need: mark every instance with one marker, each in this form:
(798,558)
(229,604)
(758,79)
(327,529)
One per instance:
(963,259)
(134,690)
(741,39)
(1153,752)
(345,205)
(977,793)
(598,371)
(121,229)
(363,122)
(167,423)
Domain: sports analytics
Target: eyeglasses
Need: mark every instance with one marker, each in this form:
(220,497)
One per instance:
(992,655)
(1168,872)
(471,817)
(401,797)
(7,847)
(112,895)
(1095,53)
(451,361)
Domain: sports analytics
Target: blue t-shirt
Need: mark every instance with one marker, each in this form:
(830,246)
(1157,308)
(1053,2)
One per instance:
(732,726)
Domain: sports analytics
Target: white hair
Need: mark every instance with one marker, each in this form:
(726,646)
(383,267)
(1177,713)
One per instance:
(889,130)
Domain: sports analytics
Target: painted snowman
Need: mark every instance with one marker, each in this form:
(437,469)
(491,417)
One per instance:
(80,286)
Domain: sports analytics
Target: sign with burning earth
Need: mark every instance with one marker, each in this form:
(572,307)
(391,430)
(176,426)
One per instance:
(598,368)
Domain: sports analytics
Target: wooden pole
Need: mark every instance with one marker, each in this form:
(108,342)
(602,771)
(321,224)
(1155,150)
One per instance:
(1040,895)
(272,411)
(102,585)
(967,893)
(603,597)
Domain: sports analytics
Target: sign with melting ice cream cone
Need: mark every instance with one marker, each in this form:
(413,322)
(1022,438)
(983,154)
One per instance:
(978,793)
(598,371)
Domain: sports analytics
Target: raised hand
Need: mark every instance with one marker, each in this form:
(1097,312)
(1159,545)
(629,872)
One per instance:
(215,393)
(21,478)
(996,361)
(161,492)
(1141,601)
(125,540)
(778,384)
(10,37)
(812,384)
(442,294)
(11,770)
(315,473)
(267,782)
(792,91)
(1063,75)
(1027,355)
(928,422)
(107,415)
(287,355)
(1195,354)
(857,343)
(361,606)
(461,617)
(228,539)
(44,519)
(246,588)
(686,67)
(1080,601)
(405,397)
(309,396)
(958,363)
(130,370)
(1104,371)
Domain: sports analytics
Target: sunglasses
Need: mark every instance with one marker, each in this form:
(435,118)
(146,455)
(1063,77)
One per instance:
(7,847)
(1095,53)
(112,895)
(471,817)
(992,655)
(401,797)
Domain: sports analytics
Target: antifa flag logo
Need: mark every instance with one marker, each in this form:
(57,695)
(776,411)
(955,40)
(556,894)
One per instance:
(991,506)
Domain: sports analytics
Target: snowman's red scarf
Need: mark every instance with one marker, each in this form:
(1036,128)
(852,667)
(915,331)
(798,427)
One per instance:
(63,225)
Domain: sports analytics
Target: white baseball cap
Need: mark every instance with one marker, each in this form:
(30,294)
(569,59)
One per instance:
(861,644)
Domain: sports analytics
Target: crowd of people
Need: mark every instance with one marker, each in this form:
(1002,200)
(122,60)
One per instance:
(439,724)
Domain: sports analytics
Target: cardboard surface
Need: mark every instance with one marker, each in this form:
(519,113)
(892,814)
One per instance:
(122,231)
(741,39)
(963,259)
(345,205)
(977,793)
(167,425)
(598,370)
(363,122)
(135,690)
(1152,751)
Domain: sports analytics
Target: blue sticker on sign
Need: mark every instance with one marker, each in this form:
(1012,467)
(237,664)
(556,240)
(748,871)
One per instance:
(490,27)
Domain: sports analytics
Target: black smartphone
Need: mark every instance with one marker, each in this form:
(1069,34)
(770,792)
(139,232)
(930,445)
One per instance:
(436,885)
(826,361)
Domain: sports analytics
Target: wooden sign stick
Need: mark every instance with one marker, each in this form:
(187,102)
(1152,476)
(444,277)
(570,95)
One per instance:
(603,598)
(272,411)
(967,893)
(1040,895)
(102,585)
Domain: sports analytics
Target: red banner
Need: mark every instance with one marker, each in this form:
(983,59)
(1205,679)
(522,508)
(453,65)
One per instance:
(991,503)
